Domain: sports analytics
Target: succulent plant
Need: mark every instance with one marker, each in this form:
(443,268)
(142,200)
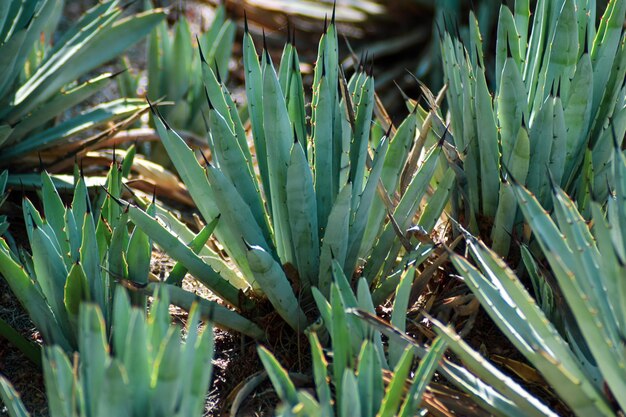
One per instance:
(78,254)
(314,198)
(174,69)
(559,90)
(144,370)
(39,81)
(576,343)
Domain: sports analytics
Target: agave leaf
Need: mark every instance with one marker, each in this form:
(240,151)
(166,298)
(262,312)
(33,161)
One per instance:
(334,243)
(94,356)
(63,395)
(11,399)
(370,380)
(531,333)
(323,145)
(340,334)
(507,44)
(398,315)
(524,402)
(105,39)
(271,277)
(488,146)
(209,310)
(233,164)
(359,219)
(403,214)
(31,298)
(349,402)
(179,271)
(393,396)
(395,158)
(91,119)
(505,215)
(302,210)
(76,290)
(181,253)
(279,377)
(254,92)
(320,375)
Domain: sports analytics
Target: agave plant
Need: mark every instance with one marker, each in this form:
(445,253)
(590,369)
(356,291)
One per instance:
(78,253)
(39,81)
(144,370)
(356,338)
(580,355)
(174,69)
(359,391)
(559,90)
(315,199)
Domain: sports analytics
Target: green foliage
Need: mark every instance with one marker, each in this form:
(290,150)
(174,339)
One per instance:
(144,370)
(78,253)
(39,80)
(4,224)
(359,391)
(580,355)
(174,69)
(559,90)
(317,178)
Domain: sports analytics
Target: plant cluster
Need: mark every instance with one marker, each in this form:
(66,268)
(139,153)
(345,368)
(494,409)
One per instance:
(320,223)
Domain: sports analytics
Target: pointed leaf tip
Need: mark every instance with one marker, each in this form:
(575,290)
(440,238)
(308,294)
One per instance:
(208,99)
(206,161)
(202,59)
(217,71)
